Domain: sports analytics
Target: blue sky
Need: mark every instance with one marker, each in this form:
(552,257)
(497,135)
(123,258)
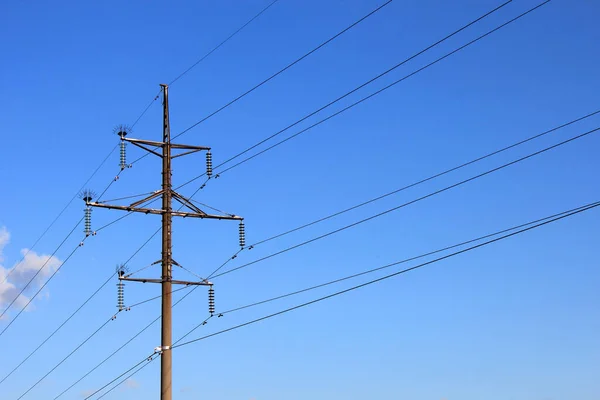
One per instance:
(515,320)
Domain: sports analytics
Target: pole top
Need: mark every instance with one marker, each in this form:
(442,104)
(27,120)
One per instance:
(164,85)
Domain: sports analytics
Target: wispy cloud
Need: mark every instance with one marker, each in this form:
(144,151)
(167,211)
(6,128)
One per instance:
(24,271)
(131,383)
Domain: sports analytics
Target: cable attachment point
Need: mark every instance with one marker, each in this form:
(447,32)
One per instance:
(211,300)
(161,349)
(209,167)
(242,234)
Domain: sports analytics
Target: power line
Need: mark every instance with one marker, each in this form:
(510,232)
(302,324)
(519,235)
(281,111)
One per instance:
(462,182)
(72,199)
(411,185)
(34,276)
(362,85)
(150,359)
(122,217)
(57,329)
(413,258)
(544,221)
(367,97)
(596,204)
(526,227)
(277,73)
(70,354)
(352,91)
(116,146)
(523,158)
(121,347)
(370,271)
(70,316)
(209,207)
(39,291)
(223,42)
(58,216)
(102,326)
(206,56)
(146,109)
(133,196)
(286,67)
(157,297)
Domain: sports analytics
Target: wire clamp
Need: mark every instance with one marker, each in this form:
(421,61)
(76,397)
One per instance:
(161,349)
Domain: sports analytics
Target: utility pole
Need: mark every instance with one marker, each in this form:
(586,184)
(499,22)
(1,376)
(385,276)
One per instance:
(168,194)
(166,359)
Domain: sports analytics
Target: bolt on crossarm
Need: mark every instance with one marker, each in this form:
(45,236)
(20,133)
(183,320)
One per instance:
(167,213)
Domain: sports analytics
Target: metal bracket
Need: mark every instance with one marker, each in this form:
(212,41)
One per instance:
(160,349)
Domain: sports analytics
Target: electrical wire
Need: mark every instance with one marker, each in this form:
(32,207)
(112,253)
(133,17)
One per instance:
(355,89)
(191,272)
(121,347)
(116,146)
(123,216)
(150,359)
(157,297)
(102,326)
(286,67)
(368,283)
(68,319)
(411,185)
(223,42)
(137,304)
(352,105)
(436,192)
(71,201)
(539,152)
(526,227)
(116,178)
(229,168)
(203,58)
(69,355)
(370,271)
(58,216)
(57,329)
(211,208)
(126,197)
(146,109)
(34,276)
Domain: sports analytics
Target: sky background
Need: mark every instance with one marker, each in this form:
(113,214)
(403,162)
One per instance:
(515,320)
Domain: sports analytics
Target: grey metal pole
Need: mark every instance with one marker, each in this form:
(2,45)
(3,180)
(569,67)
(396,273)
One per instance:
(166,336)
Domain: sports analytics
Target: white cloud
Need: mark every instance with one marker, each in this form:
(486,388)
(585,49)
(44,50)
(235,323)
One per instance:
(24,271)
